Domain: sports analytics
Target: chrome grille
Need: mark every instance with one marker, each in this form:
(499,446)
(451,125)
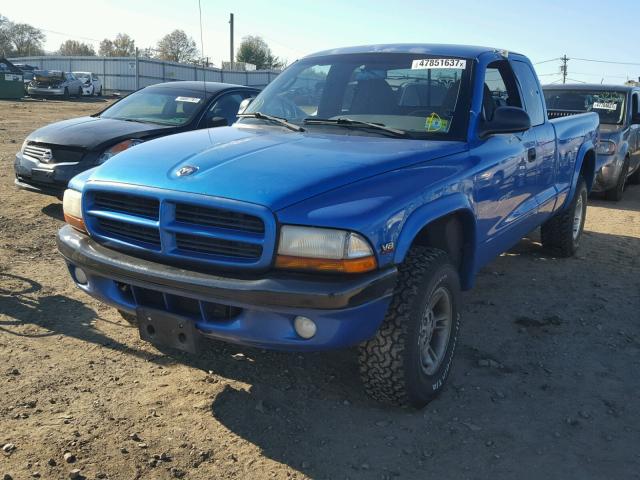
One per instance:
(41,154)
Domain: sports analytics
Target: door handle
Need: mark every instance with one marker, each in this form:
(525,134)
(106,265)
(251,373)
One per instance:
(531,154)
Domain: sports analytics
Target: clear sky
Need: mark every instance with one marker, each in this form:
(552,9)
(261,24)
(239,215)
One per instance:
(541,29)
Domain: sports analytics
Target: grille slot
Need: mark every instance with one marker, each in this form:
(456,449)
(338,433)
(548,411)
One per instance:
(130,204)
(215,217)
(128,232)
(217,246)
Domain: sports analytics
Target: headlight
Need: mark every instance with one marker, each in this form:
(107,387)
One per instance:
(606,147)
(117,148)
(24,145)
(72,208)
(324,249)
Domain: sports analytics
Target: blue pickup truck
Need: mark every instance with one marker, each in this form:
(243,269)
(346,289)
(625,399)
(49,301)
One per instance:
(356,197)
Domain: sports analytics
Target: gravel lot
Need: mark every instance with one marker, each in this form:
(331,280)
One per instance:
(545,383)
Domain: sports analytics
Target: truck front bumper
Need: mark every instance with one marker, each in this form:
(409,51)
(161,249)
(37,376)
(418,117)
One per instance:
(346,309)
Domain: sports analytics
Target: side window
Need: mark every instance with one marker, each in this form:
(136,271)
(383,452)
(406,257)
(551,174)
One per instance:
(226,106)
(634,104)
(500,88)
(530,92)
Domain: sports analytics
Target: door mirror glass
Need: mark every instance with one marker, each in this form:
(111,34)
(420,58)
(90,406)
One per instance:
(505,120)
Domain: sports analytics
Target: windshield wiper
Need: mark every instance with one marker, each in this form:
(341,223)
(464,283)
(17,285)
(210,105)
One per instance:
(271,118)
(348,122)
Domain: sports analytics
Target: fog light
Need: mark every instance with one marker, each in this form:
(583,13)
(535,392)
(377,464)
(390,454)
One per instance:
(305,327)
(80,276)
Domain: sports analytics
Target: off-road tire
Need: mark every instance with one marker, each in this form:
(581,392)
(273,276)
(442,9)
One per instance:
(615,194)
(390,362)
(129,317)
(557,233)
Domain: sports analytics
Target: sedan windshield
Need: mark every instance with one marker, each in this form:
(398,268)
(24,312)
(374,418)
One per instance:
(609,105)
(412,95)
(161,106)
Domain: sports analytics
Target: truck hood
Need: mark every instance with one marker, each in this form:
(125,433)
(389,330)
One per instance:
(92,132)
(269,166)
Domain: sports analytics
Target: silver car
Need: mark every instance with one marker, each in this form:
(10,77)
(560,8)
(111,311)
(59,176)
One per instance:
(54,82)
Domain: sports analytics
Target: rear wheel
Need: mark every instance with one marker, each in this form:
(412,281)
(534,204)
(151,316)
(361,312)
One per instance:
(408,360)
(615,193)
(561,234)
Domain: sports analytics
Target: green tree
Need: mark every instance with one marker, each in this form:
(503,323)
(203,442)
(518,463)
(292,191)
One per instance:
(72,48)
(254,49)
(177,46)
(121,46)
(26,39)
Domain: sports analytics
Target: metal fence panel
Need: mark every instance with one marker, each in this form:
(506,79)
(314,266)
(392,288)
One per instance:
(126,74)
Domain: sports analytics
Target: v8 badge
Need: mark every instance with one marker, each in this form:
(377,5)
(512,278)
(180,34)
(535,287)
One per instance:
(388,247)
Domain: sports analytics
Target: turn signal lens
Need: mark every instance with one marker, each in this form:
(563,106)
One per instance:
(357,265)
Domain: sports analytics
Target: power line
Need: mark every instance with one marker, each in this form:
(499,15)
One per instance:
(605,61)
(547,61)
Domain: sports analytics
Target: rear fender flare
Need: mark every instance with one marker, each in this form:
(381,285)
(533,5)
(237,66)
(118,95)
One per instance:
(582,153)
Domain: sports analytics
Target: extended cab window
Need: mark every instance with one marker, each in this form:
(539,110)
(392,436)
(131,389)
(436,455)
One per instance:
(500,89)
(424,96)
(530,92)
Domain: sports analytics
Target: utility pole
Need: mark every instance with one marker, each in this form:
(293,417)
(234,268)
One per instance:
(563,68)
(231,50)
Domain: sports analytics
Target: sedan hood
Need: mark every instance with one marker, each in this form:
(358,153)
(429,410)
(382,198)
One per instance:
(268,166)
(93,132)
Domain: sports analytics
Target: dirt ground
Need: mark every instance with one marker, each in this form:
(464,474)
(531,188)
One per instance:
(545,383)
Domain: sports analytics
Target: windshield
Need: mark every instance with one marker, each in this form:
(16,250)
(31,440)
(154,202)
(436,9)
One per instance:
(609,105)
(82,75)
(424,96)
(161,106)
(48,74)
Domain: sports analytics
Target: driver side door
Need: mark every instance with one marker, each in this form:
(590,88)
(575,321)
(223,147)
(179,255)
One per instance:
(505,198)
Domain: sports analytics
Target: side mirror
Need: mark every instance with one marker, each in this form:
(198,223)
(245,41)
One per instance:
(244,104)
(217,122)
(505,120)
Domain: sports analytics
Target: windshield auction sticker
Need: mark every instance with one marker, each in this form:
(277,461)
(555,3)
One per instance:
(435,63)
(188,99)
(605,106)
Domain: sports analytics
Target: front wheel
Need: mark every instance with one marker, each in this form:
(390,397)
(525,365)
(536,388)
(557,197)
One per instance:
(66,93)
(615,194)
(634,179)
(561,234)
(408,360)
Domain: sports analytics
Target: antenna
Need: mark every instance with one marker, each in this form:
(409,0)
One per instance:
(204,69)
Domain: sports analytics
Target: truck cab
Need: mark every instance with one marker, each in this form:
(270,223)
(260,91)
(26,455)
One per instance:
(355,198)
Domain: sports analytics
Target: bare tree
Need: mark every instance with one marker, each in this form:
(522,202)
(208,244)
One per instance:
(254,49)
(26,39)
(6,46)
(122,46)
(72,47)
(177,46)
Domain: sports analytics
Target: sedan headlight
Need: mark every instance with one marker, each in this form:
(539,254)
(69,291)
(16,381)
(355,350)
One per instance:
(72,208)
(24,145)
(117,148)
(606,147)
(324,249)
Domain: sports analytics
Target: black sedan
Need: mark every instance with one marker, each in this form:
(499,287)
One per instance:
(52,155)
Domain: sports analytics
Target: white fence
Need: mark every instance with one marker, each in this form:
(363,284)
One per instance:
(126,74)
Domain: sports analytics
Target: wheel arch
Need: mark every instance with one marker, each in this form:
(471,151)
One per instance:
(451,229)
